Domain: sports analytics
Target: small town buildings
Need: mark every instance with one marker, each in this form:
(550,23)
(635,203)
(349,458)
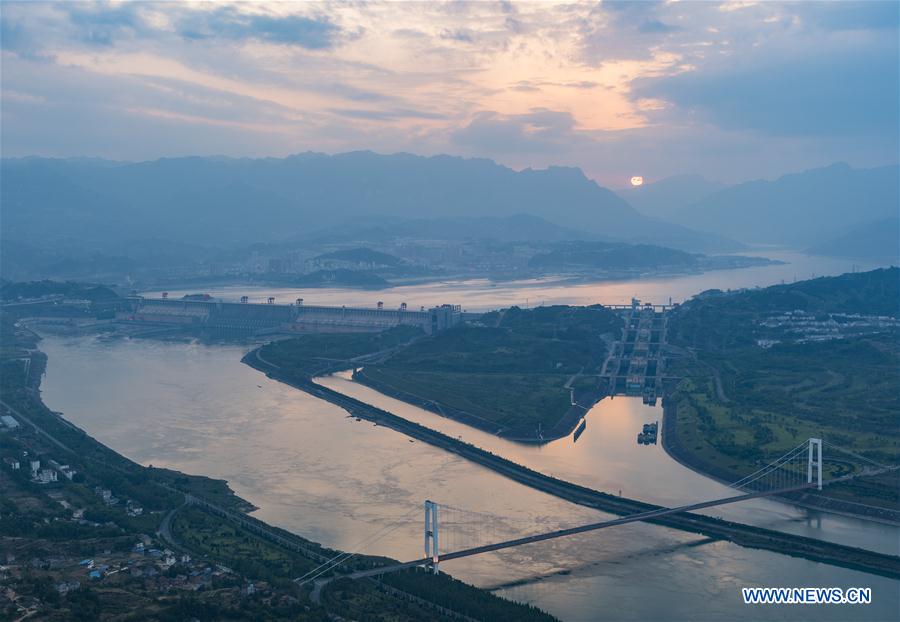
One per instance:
(46,476)
(65,587)
(133,509)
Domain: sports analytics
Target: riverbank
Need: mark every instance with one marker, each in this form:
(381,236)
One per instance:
(763,369)
(744,535)
(209,523)
(584,401)
(522,278)
(673,446)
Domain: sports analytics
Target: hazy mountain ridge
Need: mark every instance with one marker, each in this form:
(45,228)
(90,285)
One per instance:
(799,209)
(308,191)
(879,240)
(664,198)
(515,228)
(213,201)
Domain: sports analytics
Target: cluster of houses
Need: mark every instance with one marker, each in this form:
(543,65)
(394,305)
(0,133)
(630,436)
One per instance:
(39,473)
(132,508)
(151,563)
(800,326)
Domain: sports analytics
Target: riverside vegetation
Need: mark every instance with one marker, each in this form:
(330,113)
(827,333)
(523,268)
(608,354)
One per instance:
(506,372)
(509,371)
(118,541)
(814,358)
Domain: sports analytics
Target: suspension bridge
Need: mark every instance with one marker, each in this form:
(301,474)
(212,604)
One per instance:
(798,470)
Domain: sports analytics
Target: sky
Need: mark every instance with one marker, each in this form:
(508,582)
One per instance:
(732,91)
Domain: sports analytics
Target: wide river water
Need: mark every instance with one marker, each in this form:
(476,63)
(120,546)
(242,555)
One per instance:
(325,476)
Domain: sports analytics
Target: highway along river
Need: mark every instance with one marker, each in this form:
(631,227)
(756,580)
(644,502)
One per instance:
(315,471)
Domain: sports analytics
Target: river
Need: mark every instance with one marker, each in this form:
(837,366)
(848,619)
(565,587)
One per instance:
(323,475)
(482,295)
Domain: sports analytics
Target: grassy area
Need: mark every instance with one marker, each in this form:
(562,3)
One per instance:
(478,604)
(485,395)
(510,369)
(241,551)
(312,354)
(843,390)
(363,601)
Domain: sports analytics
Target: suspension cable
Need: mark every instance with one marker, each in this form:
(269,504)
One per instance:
(855,455)
(356,548)
(769,467)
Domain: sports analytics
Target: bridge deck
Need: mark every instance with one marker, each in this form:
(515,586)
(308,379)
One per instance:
(425,561)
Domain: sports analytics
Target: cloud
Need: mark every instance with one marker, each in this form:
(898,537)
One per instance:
(805,93)
(103,24)
(312,33)
(15,38)
(538,131)
(846,15)
(675,86)
(463,35)
(525,87)
(387,114)
(654,26)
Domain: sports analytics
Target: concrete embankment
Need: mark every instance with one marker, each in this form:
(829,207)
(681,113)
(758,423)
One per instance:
(585,399)
(745,535)
(490,427)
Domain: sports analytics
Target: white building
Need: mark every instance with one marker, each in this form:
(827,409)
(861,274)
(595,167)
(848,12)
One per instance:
(9,422)
(46,476)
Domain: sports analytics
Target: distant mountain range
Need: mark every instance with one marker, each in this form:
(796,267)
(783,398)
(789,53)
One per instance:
(224,201)
(97,214)
(798,210)
(666,197)
(878,240)
(518,227)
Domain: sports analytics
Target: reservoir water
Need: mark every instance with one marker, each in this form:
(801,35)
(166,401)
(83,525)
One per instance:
(481,294)
(311,469)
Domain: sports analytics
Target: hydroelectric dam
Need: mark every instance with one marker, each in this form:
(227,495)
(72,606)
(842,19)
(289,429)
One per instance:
(247,318)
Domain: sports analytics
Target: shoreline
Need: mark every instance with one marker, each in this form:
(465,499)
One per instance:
(563,427)
(574,277)
(672,446)
(224,503)
(741,534)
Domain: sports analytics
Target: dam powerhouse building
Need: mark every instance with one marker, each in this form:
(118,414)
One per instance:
(258,319)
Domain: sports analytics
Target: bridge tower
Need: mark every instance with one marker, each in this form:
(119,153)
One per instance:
(431,533)
(814,462)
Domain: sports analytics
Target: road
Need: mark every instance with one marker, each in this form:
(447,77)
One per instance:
(36,427)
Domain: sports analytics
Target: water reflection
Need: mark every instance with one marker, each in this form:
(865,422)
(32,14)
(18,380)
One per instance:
(607,458)
(481,294)
(313,470)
